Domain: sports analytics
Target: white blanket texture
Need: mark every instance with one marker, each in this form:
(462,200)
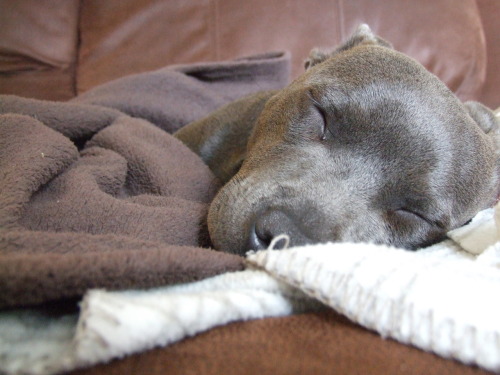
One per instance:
(443,299)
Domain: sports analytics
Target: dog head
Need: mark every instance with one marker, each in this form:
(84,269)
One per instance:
(366,145)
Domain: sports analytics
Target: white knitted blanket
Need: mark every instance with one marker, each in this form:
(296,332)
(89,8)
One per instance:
(441,299)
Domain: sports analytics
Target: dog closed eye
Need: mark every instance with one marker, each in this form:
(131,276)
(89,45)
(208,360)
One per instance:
(326,124)
(412,214)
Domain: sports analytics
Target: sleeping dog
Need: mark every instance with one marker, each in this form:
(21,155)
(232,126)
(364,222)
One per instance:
(365,146)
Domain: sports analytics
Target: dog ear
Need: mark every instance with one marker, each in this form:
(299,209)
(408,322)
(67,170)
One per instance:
(221,138)
(484,117)
(362,36)
(489,122)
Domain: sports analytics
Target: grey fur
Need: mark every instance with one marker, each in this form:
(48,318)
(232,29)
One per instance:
(365,146)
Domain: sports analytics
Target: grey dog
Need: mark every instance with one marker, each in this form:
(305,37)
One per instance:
(365,146)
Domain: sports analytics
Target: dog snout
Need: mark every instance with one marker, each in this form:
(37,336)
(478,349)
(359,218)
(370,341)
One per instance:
(271,224)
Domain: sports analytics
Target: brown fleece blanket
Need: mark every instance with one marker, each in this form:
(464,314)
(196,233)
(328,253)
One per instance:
(95,192)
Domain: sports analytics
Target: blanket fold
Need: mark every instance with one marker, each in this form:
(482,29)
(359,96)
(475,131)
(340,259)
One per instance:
(95,192)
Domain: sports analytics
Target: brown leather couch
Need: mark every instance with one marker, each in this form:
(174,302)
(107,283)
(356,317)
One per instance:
(52,49)
(56,49)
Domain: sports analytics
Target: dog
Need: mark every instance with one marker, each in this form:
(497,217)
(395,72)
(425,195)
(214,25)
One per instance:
(365,146)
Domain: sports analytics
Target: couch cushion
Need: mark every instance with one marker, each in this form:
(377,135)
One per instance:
(490,9)
(38,48)
(446,36)
(308,344)
(128,36)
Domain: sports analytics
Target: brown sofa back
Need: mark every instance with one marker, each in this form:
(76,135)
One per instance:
(55,49)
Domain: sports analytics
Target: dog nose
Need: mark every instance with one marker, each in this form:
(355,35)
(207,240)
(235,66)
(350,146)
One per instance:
(268,225)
